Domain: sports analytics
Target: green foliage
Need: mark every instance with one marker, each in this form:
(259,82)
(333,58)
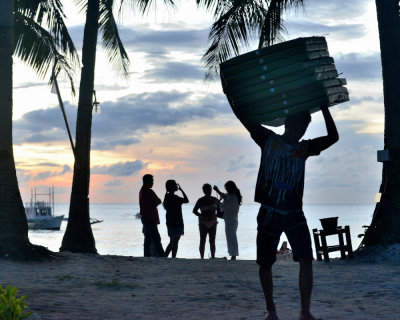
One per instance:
(11,307)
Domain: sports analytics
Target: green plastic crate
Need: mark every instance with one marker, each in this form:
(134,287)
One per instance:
(268,84)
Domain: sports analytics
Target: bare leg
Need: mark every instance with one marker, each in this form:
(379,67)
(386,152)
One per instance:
(211,237)
(175,246)
(168,249)
(203,237)
(306,284)
(265,273)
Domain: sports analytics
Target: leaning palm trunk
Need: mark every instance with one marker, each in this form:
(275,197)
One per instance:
(13,223)
(79,236)
(385,225)
(14,241)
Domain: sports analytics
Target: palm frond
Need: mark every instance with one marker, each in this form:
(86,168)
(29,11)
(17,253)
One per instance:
(142,5)
(112,43)
(82,5)
(35,46)
(273,26)
(50,14)
(238,22)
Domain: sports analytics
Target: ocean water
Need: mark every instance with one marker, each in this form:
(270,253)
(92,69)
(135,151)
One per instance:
(120,233)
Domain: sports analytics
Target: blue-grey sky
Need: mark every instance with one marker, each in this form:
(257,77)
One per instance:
(165,120)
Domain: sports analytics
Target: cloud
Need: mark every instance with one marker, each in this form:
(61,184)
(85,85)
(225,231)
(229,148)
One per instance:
(120,169)
(336,10)
(44,125)
(154,42)
(23,175)
(360,67)
(47,164)
(122,122)
(235,164)
(168,37)
(347,169)
(25,85)
(113,183)
(175,71)
(339,31)
(47,174)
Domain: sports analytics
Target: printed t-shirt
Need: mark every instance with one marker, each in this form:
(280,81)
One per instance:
(280,181)
(148,209)
(173,207)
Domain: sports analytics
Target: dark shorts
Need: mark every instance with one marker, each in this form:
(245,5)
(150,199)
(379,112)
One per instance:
(175,232)
(271,224)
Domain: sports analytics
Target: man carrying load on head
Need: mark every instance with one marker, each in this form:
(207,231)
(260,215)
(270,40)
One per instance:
(279,190)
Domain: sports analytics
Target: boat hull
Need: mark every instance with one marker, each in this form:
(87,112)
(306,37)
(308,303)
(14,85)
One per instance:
(52,223)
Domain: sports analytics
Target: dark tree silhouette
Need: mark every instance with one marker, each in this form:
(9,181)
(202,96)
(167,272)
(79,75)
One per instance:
(22,34)
(385,225)
(99,16)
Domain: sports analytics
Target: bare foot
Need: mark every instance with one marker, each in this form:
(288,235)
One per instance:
(272,316)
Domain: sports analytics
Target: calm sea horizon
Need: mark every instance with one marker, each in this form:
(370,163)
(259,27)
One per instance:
(120,233)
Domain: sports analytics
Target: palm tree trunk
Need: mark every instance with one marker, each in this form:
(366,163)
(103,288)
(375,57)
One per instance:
(13,223)
(385,225)
(79,236)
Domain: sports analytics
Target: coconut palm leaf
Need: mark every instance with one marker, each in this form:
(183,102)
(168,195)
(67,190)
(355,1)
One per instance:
(49,13)
(35,46)
(239,21)
(273,26)
(142,5)
(112,43)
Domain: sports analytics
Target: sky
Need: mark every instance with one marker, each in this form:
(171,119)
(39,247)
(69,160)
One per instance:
(167,121)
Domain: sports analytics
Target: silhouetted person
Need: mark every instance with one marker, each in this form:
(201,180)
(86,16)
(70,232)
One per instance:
(148,202)
(279,190)
(173,206)
(230,206)
(208,206)
(284,248)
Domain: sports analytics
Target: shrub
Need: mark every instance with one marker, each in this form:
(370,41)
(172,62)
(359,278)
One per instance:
(11,307)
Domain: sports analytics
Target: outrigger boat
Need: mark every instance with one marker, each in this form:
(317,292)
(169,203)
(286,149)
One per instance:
(40,213)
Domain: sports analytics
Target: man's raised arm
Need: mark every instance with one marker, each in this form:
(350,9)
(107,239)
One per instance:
(332,137)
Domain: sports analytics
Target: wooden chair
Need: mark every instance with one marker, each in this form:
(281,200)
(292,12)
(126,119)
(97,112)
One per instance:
(322,248)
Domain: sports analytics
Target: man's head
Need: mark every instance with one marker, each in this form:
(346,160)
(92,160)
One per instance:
(296,125)
(148,180)
(207,189)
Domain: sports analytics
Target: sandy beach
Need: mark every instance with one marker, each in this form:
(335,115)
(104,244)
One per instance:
(81,286)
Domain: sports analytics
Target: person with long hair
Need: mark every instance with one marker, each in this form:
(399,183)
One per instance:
(232,199)
(206,209)
(173,206)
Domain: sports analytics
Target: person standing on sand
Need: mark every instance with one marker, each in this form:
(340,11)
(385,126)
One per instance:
(279,190)
(173,205)
(230,207)
(148,202)
(208,206)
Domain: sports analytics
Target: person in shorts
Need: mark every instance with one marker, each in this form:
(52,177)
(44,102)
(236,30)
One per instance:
(279,190)
(174,220)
